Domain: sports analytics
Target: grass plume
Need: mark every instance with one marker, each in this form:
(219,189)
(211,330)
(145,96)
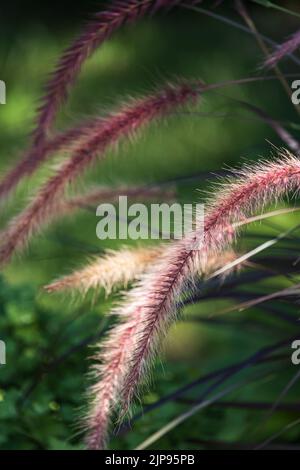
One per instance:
(136,193)
(152,306)
(119,268)
(108,272)
(64,141)
(114,357)
(283,50)
(122,124)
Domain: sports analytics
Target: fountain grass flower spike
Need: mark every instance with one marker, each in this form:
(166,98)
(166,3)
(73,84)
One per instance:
(152,306)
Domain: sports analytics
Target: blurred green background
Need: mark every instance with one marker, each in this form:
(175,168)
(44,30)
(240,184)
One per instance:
(48,337)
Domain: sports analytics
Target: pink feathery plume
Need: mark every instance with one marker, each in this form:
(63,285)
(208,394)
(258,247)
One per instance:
(113,361)
(34,157)
(160,292)
(152,306)
(287,48)
(98,30)
(97,195)
(122,124)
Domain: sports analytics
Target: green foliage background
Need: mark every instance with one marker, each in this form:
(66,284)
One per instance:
(48,337)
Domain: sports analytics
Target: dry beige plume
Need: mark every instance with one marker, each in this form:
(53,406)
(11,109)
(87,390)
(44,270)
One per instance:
(114,360)
(114,269)
(119,268)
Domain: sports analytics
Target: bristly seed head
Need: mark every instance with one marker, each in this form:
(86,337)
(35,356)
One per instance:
(151,307)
